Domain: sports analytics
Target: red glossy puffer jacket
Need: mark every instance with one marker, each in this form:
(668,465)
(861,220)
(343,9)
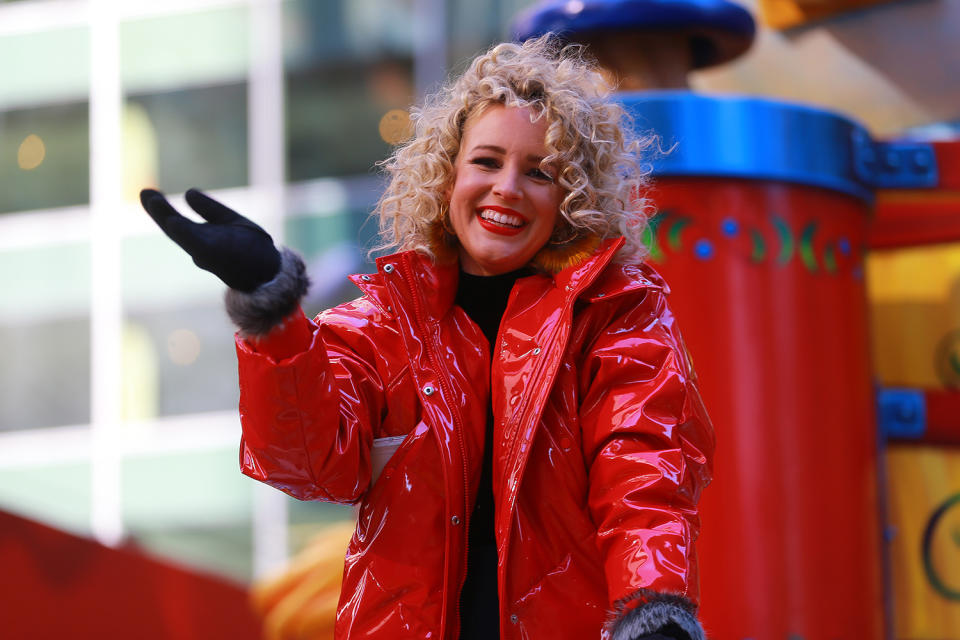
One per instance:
(602,444)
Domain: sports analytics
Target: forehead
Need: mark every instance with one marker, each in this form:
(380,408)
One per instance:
(506,127)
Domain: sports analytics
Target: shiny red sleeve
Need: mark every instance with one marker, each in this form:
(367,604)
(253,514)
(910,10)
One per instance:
(649,443)
(309,402)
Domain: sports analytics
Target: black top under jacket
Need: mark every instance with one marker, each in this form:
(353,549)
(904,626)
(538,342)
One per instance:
(484,298)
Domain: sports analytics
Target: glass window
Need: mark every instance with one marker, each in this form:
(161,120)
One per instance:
(179,360)
(333,116)
(58,494)
(46,162)
(475,25)
(48,383)
(178,352)
(44,119)
(184,77)
(191,137)
(45,335)
(197,48)
(329,223)
(191,506)
(348,78)
(51,66)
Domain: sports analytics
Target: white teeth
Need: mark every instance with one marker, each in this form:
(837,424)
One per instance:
(502,218)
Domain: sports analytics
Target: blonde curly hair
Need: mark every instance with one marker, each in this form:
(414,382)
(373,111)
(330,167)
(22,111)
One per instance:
(589,138)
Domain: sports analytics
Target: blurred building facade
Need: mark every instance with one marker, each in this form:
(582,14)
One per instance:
(118,395)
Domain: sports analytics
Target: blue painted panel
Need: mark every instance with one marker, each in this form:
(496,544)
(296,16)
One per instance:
(901,413)
(577,16)
(764,139)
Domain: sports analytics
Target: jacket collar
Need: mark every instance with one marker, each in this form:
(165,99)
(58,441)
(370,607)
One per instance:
(435,282)
(593,279)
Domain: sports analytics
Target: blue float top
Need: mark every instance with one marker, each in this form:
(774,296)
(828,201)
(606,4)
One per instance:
(766,139)
(710,19)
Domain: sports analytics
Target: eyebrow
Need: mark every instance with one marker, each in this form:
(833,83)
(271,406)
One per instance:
(502,151)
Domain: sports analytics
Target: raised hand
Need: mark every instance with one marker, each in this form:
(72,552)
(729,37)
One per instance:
(230,246)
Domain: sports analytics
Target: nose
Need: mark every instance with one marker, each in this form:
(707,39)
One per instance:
(507,184)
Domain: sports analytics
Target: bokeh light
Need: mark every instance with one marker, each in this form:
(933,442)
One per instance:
(31,153)
(183,346)
(395,126)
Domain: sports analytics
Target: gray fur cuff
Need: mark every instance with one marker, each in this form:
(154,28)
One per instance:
(658,610)
(259,311)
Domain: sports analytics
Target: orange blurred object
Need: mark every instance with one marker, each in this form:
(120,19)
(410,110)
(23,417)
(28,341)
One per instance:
(300,602)
(783,14)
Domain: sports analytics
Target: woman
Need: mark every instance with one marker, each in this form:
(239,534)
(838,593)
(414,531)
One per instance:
(552,443)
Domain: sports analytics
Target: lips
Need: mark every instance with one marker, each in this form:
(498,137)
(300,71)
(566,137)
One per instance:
(502,221)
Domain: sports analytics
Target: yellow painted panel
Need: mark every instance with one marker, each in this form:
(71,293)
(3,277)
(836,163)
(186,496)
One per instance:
(924,510)
(915,315)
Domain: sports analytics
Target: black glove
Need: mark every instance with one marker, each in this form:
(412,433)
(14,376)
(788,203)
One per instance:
(228,245)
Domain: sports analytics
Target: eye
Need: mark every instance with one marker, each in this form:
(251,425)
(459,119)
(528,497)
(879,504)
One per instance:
(485,161)
(539,174)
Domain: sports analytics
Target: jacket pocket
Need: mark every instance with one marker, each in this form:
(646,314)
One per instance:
(380,454)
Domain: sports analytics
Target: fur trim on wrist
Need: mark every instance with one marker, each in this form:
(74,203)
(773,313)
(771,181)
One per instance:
(646,611)
(257,312)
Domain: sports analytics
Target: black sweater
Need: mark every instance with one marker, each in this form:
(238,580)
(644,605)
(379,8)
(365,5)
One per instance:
(484,298)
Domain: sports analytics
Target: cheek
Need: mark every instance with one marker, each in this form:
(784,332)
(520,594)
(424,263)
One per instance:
(547,232)
(550,206)
(551,219)
(458,210)
(558,195)
(459,188)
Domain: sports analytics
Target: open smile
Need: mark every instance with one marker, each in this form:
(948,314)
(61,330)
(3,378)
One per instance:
(501,221)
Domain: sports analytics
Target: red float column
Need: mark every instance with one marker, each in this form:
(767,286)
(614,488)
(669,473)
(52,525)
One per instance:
(768,288)
(762,224)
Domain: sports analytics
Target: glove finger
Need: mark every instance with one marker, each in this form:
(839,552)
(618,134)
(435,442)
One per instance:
(155,204)
(181,230)
(188,234)
(212,210)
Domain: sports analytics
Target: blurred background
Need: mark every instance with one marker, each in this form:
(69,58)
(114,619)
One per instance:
(118,397)
(118,388)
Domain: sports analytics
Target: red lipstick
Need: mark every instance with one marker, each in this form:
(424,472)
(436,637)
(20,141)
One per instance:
(496,227)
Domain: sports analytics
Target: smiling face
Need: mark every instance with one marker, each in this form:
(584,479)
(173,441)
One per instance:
(503,203)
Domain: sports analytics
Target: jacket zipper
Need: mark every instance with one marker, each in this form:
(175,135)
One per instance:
(458,428)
